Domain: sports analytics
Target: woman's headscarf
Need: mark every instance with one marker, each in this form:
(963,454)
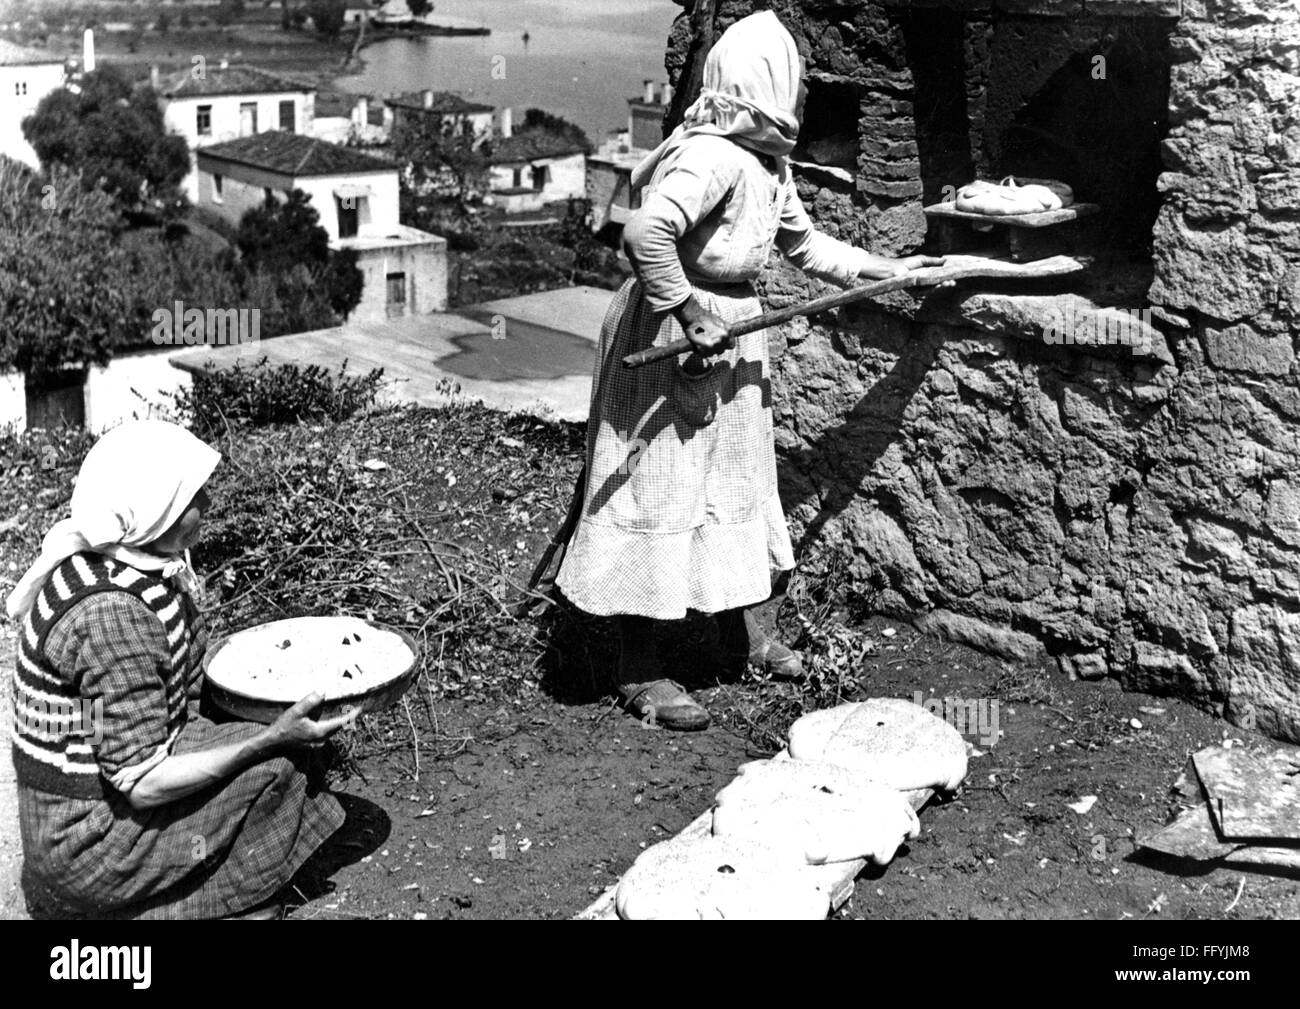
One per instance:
(134,484)
(749,94)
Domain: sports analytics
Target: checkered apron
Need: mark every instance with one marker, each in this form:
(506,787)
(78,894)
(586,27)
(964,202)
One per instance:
(219,851)
(681,510)
(214,853)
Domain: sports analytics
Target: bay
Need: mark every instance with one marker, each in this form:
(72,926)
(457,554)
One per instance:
(582,61)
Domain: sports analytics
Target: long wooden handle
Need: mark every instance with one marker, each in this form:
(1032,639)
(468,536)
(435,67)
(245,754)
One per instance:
(930,276)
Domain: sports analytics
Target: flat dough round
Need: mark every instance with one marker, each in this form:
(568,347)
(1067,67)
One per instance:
(285,660)
(818,812)
(889,739)
(712,878)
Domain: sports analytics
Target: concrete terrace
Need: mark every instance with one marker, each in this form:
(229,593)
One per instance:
(533,353)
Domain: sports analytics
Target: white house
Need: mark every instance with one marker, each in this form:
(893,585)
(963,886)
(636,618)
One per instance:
(609,170)
(211,105)
(351,120)
(445,108)
(26,76)
(356,195)
(533,168)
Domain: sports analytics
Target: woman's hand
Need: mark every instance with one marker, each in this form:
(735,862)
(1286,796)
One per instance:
(884,268)
(294,728)
(179,775)
(705,330)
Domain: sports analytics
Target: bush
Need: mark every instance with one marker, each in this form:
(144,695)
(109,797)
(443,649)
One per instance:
(261,394)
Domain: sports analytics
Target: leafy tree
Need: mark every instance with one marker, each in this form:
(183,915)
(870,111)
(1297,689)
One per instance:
(442,155)
(64,279)
(419,8)
(162,22)
(285,240)
(328,16)
(343,281)
(537,119)
(113,134)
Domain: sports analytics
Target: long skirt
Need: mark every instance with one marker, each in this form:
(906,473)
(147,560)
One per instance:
(217,852)
(681,510)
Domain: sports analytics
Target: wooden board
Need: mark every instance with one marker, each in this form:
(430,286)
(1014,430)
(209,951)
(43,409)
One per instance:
(1252,794)
(1041,219)
(836,877)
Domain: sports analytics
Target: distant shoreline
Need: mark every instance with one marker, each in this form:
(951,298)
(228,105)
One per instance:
(397,29)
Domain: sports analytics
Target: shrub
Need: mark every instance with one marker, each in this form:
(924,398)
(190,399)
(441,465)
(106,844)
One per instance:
(262,394)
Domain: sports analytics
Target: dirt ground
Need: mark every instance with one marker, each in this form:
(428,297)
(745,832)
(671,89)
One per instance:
(547,803)
(497,791)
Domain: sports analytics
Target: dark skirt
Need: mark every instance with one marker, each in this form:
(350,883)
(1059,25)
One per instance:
(217,852)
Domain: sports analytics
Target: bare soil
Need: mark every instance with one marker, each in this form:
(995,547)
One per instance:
(506,785)
(547,803)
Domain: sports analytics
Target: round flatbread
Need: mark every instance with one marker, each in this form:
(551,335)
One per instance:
(1010,197)
(889,739)
(819,812)
(712,878)
(285,660)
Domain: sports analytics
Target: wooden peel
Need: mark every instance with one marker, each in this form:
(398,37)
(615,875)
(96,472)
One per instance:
(954,268)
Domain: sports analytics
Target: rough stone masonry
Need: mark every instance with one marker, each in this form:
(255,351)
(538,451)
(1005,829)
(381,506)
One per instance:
(1129,514)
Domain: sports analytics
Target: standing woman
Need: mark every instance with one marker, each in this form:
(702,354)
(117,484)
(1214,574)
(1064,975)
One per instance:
(131,804)
(681,510)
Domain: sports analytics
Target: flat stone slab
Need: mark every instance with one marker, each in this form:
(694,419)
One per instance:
(1252,795)
(533,354)
(1193,834)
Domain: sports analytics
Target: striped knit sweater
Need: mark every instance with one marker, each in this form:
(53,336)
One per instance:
(52,726)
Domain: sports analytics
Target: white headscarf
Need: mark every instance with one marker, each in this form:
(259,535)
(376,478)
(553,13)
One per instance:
(748,95)
(134,484)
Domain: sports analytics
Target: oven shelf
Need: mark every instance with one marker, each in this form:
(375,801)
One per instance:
(1027,236)
(1042,219)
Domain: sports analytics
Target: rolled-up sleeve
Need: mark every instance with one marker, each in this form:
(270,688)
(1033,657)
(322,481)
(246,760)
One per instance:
(813,251)
(687,193)
(115,647)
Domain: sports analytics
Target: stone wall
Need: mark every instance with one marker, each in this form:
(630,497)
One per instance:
(1133,514)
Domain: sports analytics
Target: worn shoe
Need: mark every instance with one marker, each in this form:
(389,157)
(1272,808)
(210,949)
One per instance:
(742,640)
(778,660)
(664,703)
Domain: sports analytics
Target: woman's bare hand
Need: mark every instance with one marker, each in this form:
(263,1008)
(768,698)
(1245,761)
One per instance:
(884,268)
(910,263)
(707,332)
(294,727)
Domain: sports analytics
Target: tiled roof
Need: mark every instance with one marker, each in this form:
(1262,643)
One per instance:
(444,103)
(12,55)
(296,155)
(531,145)
(237,80)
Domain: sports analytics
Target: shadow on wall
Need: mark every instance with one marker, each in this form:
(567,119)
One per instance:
(831,467)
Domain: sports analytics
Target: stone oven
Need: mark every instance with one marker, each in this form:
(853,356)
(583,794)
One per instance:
(1102,469)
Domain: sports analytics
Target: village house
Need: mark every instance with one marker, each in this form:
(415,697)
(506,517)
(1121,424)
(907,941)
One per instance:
(609,170)
(351,119)
(356,195)
(211,105)
(26,76)
(450,111)
(534,167)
